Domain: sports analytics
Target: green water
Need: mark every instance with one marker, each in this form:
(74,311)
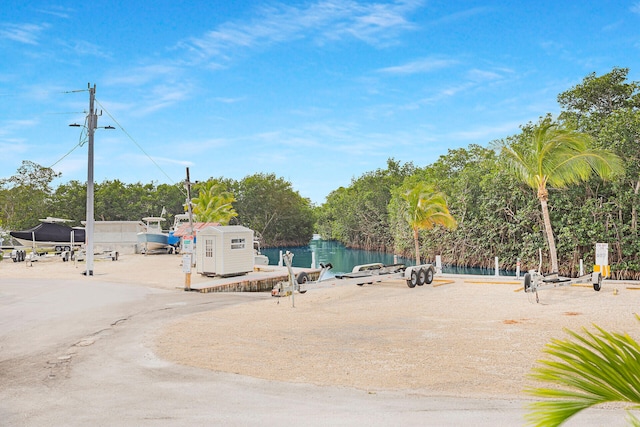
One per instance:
(343,260)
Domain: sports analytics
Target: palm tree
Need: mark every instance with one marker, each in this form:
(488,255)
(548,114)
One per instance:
(591,369)
(425,208)
(214,204)
(551,155)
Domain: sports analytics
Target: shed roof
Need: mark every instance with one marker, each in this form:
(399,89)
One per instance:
(183,230)
(228,228)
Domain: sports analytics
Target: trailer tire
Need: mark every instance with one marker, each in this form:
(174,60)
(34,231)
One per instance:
(412,281)
(302,278)
(598,285)
(429,276)
(422,277)
(527,282)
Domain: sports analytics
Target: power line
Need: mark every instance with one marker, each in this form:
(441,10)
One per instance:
(135,142)
(80,143)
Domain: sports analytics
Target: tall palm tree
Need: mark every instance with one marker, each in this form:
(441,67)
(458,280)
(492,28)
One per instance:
(551,155)
(214,204)
(425,208)
(587,370)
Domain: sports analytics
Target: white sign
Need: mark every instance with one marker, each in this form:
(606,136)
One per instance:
(186,263)
(602,254)
(187,244)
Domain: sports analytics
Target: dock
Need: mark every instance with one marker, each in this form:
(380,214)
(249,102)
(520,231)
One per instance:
(262,279)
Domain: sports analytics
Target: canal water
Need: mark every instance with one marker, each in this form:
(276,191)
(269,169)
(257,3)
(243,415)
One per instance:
(343,259)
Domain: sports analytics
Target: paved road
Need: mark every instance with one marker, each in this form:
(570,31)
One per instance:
(79,353)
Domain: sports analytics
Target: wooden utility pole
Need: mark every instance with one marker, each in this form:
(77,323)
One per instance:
(187,258)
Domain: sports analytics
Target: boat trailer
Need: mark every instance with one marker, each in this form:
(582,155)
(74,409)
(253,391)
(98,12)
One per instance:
(360,275)
(534,281)
(377,272)
(299,283)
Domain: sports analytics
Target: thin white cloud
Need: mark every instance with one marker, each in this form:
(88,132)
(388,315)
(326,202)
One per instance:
(22,33)
(635,8)
(477,75)
(163,97)
(323,21)
(84,48)
(485,133)
(14,126)
(420,66)
(462,15)
(57,11)
(230,100)
(142,75)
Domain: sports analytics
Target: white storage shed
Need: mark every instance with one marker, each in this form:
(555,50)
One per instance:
(224,250)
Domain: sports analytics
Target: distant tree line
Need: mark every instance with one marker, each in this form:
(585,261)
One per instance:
(263,202)
(496,213)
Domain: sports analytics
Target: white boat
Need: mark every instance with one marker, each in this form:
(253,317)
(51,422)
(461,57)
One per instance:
(153,238)
(258,257)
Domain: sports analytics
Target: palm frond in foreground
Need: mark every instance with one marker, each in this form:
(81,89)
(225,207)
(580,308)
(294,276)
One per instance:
(590,369)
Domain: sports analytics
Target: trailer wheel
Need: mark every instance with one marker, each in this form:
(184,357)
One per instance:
(598,285)
(527,282)
(302,278)
(422,277)
(413,279)
(429,276)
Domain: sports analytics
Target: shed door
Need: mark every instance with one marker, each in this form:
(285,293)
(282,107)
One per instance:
(209,260)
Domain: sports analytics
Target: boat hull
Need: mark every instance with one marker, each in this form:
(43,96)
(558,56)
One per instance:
(152,241)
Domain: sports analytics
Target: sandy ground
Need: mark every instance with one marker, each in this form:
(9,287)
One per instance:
(461,336)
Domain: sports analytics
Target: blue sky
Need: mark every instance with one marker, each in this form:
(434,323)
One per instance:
(316,92)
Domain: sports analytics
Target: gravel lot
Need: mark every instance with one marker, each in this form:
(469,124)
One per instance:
(462,337)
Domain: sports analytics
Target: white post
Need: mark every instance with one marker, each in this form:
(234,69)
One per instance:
(395,259)
(518,269)
(313,259)
(280,260)
(439,264)
(581,268)
(497,267)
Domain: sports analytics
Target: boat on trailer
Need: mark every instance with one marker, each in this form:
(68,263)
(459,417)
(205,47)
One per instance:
(153,238)
(51,233)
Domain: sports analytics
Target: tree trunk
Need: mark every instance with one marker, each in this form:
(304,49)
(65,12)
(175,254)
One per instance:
(634,213)
(550,239)
(417,244)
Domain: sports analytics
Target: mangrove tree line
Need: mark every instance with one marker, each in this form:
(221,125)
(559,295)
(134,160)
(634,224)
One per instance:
(497,214)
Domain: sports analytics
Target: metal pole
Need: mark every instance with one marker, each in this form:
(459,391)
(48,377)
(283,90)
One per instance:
(189,211)
(187,276)
(92,123)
